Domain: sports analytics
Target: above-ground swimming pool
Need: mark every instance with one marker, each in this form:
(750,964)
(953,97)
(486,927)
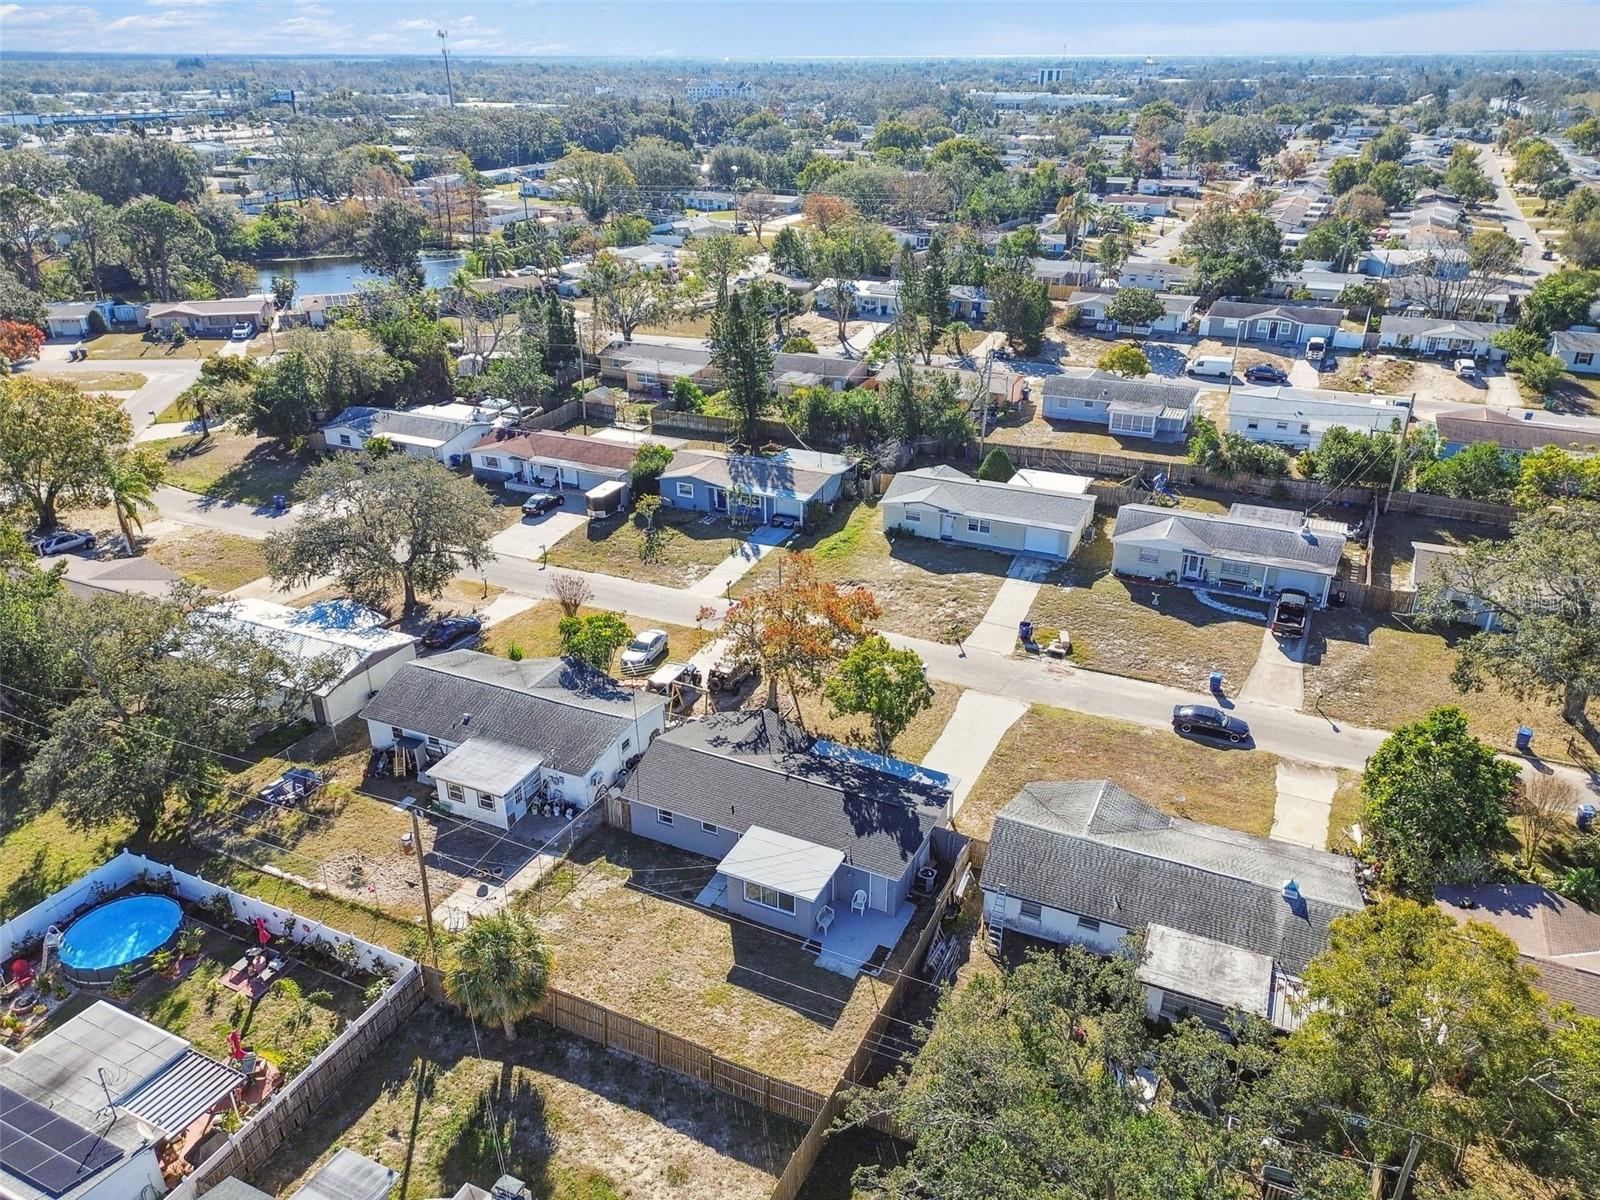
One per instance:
(123,933)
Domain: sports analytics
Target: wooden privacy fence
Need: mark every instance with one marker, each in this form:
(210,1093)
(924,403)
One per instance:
(288,1110)
(593,411)
(706,428)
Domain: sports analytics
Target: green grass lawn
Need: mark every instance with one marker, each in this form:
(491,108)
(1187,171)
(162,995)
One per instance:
(1162,634)
(1576,394)
(40,853)
(133,345)
(1235,788)
(231,466)
(219,561)
(688,551)
(926,588)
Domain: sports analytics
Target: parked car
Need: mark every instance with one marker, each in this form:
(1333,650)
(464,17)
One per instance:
(1317,349)
(1214,366)
(644,652)
(1266,373)
(730,673)
(453,633)
(1466,368)
(62,541)
(540,503)
(1202,720)
(243,331)
(1291,614)
(679,683)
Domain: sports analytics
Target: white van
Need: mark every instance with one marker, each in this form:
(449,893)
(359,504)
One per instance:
(1214,366)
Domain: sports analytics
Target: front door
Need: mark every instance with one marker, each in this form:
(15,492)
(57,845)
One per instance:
(1194,566)
(719,500)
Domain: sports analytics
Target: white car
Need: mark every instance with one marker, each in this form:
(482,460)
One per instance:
(243,331)
(62,541)
(647,649)
(1466,368)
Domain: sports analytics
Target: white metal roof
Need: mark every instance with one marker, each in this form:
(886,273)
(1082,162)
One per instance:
(1191,965)
(488,766)
(801,869)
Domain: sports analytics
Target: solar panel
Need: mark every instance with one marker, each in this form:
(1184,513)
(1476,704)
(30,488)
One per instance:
(51,1152)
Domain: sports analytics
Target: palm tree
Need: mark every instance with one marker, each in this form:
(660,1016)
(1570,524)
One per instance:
(501,970)
(953,335)
(1077,211)
(495,259)
(131,479)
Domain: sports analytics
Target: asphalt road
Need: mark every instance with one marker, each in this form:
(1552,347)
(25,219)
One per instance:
(167,379)
(1516,224)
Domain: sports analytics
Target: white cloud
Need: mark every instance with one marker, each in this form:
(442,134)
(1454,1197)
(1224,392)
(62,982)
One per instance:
(18,16)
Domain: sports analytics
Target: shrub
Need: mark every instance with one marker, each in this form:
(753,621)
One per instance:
(799,344)
(996,467)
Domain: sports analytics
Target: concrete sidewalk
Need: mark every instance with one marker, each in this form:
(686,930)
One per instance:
(997,632)
(746,555)
(969,740)
(1305,802)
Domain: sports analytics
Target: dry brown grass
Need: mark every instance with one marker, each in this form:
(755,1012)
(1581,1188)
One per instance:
(687,553)
(219,561)
(95,381)
(1236,788)
(1392,548)
(912,745)
(533,631)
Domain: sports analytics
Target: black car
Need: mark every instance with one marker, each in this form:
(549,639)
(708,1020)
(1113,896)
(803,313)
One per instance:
(1266,373)
(452,633)
(540,503)
(1202,720)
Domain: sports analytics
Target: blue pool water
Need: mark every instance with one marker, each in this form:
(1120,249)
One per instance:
(120,932)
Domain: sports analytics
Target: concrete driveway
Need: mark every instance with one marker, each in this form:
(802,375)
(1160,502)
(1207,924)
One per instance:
(746,555)
(1279,676)
(1303,374)
(1305,802)
(530,538)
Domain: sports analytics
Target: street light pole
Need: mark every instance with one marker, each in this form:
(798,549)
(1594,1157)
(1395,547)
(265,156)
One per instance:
(1233,363)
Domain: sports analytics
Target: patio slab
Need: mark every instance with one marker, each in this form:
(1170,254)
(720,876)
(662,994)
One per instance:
(853,939)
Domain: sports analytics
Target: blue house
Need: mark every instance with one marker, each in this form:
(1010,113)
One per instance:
(757,487)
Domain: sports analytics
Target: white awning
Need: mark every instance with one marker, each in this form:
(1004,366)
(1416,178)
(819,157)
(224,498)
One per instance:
(798,868)
(487,766)
(1188,964)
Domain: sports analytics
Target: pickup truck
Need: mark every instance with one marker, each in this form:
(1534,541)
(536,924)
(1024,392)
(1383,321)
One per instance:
(1291,614)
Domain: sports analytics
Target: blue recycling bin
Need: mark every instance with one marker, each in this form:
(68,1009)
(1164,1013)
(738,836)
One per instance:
(279,503)
(1524,738)
(1216,683)
(1025,631)
(1586,815)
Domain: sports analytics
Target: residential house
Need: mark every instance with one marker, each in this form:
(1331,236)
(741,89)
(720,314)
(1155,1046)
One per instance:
(445,433)
(319,309)
(1230,920)
(1142,408)
(1155,275)
(809,838)
(540,460)
(1415,295)
(1131,204)
(878,298)
(969,303)
(996,385)
(1315,284)
(941,502)
(1527,429)
(1062,277)
(89,578)
(804,370)
(1250,548)
(1165,186)
(1578,350)
(88,1110)
(1558,937)
(754,487)
(214,318)
(1296,417)
(1264,321)
(709,201)
(74,318)
(351,641)
(496,738)
(1174,318)
(1447,338)
(1385,262)
(1428,563)
(651,369)
(777,204)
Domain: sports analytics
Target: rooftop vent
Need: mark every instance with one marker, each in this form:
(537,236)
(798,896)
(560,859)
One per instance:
(1291,890)
(466,718)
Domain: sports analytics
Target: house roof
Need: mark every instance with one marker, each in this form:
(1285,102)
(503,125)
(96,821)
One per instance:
(243,305)
(563,447)
(1573,341)
(790,864)
(91,576)
(740,769)
(1280,401)
(1083,383)
(1541,923)
(1065,266)
(69,308)
(948,490)
(1422,327)
(1530,430)
(1173,305)
(1425,560)
(409,428)
(1300,314)
(1089,847)
(779,475)
(559,708)
(1237,535)
(102,1052)
(348,633)
(1139,266)
(174,1098)
(1191,964)
(486,765)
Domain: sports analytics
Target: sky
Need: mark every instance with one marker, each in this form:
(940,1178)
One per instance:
(799,28)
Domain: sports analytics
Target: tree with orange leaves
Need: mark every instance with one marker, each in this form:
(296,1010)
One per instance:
(823,212)
(797,626)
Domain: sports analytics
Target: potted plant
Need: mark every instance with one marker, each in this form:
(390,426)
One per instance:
(189,941)
(126,980)
(164,962)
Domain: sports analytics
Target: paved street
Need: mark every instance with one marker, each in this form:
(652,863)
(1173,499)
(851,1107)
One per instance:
(1516,224)
(167,378)
(186,508)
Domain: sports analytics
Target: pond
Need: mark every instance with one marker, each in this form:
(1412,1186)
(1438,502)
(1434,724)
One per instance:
(315,276)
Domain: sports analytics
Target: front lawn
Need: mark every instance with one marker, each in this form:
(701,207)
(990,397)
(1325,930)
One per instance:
(215,560)
(1577,394)
(1235,788)
(688,550)
(1142,630)
(95,381)
(574,1121)
(913,743)
(134,345)
(927,588)
(533,633)
(231,467)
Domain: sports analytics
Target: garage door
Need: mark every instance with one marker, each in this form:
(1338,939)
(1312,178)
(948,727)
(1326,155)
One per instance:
(1042,541)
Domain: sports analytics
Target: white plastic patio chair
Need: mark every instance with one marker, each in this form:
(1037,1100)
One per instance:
(858,903)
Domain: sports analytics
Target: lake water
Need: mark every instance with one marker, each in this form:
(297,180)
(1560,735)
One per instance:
(315,276)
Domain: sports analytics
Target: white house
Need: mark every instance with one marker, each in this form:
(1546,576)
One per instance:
(1429,562)
(1434,335)
(212,317)
(355,641)
(443,432)
(1230,919)
(1296,417)
(758,487)
(529,461)
(1174,318)
(497,737)
(1142,408)
(1155,275)
(1015,518)
(1269,322)
(1250,548)
(1135,205)
(1579,351)
(73,318)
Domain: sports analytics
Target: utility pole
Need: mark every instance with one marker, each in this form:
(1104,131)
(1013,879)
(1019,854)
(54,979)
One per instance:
(422,868)
(1399,451)
(1404,1181)
(1233,363)
(444,48)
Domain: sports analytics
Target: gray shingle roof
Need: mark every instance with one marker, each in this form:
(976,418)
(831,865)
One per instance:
(567,712)
(752,472)
(1089,847)
(1300,314)
(1575,341)
(948,489)
(373,422)
(1235,534)
(1418,327)
(753,768)
(564,447)
(1106,386)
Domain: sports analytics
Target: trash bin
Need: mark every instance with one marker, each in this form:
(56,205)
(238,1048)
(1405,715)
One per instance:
(1025,631)
(1586,815)
(279,503)
(1524,738)
(1216,683)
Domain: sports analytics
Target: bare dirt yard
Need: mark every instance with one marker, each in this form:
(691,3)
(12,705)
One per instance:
(574,1121)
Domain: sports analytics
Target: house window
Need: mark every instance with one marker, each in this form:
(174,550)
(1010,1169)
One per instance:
(1149,556)
(913,518)
(1252,425)
(492,463)
(664,816)
(1032,910)
(456,793)
(1283,424)
(1583,360)
(686,489)
(1088,925)
(397,732)
(977,525)
(344,440)
(769,897)
(486,801)
(627,744)
(1305,428)
(709,827)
